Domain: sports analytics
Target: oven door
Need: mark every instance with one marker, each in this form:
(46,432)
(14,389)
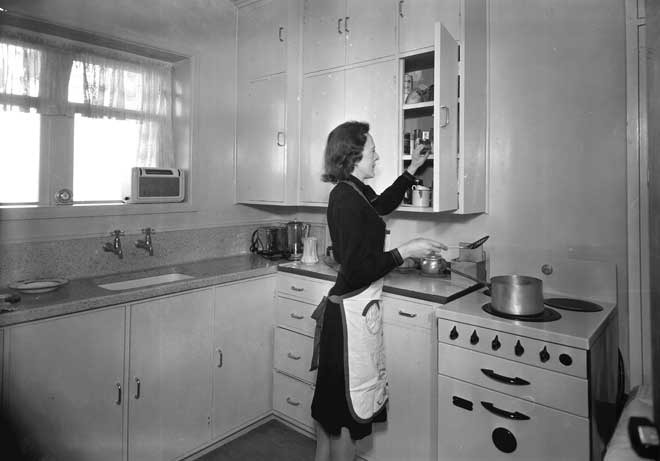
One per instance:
(475,423)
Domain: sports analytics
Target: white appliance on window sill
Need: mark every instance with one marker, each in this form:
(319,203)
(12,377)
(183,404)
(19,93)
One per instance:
(156,185)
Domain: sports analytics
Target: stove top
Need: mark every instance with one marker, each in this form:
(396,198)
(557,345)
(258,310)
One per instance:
(548,315)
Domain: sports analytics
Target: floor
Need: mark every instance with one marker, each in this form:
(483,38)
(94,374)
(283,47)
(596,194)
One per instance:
(272,441)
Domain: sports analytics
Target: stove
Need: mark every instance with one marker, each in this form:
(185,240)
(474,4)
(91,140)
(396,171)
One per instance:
(526,389)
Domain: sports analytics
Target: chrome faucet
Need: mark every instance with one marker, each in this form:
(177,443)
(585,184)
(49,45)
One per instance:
(146,243)
(115,245)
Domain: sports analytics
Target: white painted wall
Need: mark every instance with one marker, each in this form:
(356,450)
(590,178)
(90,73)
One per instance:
(203,29)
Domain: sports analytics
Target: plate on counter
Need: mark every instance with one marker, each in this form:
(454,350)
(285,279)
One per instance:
(35,286)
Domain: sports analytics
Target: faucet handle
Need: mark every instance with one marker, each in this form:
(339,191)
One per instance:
(117,233)
(148,230)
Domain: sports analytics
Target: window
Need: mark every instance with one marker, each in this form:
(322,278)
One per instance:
(78,116)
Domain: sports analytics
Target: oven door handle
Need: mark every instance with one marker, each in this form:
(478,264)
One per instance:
(516,415)
(504,379)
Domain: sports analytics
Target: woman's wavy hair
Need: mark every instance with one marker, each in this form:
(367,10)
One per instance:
(343,150)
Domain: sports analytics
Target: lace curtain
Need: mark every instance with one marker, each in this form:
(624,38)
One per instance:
(55,76)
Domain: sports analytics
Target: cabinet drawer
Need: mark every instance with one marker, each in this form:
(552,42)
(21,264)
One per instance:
(293,354)
(293,398)
(296,315)
(546,387)
(473,424)
(407,313)
(305,288)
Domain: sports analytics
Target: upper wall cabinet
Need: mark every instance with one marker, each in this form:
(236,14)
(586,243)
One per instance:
(340,32)
(262,32)
(416,20)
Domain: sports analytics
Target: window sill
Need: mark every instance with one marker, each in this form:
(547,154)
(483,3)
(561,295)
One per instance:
(79,211)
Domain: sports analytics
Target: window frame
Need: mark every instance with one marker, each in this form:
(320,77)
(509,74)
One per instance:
(184,70)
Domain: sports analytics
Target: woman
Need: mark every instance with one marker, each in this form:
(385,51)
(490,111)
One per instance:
(351,387)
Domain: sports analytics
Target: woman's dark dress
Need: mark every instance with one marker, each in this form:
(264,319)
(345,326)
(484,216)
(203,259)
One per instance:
(358,236)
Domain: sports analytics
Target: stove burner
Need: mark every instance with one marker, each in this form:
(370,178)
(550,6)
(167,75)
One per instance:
(548,315)
(573,304)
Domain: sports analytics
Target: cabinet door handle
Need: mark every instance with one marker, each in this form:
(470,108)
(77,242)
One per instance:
(280,138)
(280,34)
(292,402)
(445,109)
(295,288)
(138,384)
(219,358)
(339,25)
(407,314)
(293,357)
(296,316)
(401,8)
(516,416)
(118,401)
(346,24)
(504,379)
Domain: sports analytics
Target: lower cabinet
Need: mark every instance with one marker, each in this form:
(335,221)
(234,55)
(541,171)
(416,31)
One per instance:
(64,395)
(169,382)
(243,353)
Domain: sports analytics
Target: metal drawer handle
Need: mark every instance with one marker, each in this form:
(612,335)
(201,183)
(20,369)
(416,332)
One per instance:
(339,25)
(407,314)
(346,24)
(401,8)
(293,357)
(292,402)
(279,33)
(220,358)
(137,389)
(296,316)
(445,109)
(504,379)
(516,416)
(118,401)
(280,138)
(294,288)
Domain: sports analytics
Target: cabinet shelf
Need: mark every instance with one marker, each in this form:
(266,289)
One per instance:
(418,105)
(408,157)
(415,209)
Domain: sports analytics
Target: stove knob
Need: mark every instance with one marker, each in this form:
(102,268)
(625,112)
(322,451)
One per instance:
(519,349)
(543,355)
(474,339)
(496,343)
(453,334)
(565,359)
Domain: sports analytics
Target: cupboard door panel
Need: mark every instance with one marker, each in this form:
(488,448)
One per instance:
(371,96)
(417,19)
(322,110)
(61,393)
(170,348)
(243,353)
(371,29)
(324,37)
(260,149)
(262,39)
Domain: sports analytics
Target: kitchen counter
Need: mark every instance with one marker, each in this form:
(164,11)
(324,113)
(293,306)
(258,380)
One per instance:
(85,294)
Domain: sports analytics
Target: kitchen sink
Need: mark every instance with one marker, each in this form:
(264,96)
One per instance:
(145,281)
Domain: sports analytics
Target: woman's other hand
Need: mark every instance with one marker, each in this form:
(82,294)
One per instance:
(418,157)
(420,247)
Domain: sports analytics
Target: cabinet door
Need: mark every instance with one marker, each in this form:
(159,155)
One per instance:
(445,121)
(324,36)
(370,29)
(63,384)
(260,147)
(371,96)
(262,39)
(408,433)
(417,19)
(323,110)
(169,376)
(243,346)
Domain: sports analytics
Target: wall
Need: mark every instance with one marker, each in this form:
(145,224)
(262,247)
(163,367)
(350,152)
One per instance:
(557,142)
(203,29)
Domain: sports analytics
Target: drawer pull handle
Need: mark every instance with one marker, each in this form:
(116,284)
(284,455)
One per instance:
(504,379)
(407,314)
(462,403)
(296,316)
(279,34)
(138,385)
(295,288)
(118,401)
(293,357)
(220,358)
(516,415)
(292,402)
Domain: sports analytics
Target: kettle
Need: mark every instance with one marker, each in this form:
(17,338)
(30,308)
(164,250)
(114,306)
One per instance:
(296,231)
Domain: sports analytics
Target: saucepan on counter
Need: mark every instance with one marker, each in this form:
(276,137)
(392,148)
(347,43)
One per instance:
(518,295)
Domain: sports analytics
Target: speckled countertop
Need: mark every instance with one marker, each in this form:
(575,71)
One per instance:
(85,294)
